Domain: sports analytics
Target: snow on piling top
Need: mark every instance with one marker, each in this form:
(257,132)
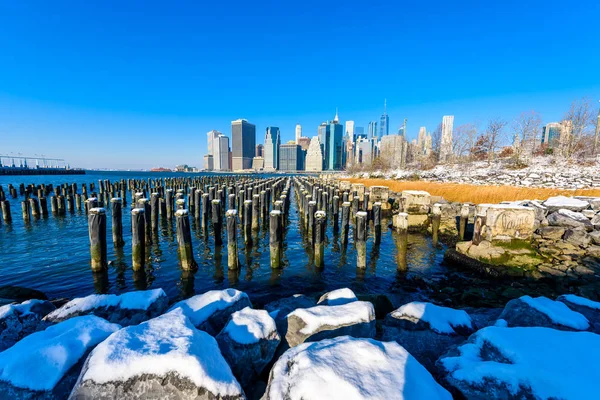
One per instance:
(249,326)
(337,297)
(141,299)
(347,314)
(440,319)
(550,363)
(181,213)
(200,307)
(168,343)
(558,312)
(39,361)
(347,368)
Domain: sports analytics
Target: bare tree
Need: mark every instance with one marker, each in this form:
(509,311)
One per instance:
(578,122)
(494,135)
(436,142)
(526,129)
(464,140)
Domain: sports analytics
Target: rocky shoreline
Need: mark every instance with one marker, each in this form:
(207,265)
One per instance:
(216,345)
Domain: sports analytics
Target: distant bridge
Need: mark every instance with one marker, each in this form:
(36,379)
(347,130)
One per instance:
(20,161)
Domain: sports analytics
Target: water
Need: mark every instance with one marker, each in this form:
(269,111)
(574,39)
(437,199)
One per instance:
(52,255)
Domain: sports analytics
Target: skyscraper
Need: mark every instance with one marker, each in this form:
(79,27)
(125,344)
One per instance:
(551,133)
(384,122)
(212,136)
(243,143)
(350,130)
(221,153)
(372,130)
(260,150)
(272,142)
(323,134)
(331,137)
(446,140)
(359,132)
(314,155)
(290,157)
(298,133)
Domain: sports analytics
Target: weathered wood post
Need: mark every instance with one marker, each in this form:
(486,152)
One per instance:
(6,212)
(25,210)
(231,202)
(248,222)
(198,201)
(436,217)
(275,237)
(401,226)
(319,248)
(54,205)
(361,239)
(138,238)
(216,221)
(312,208)
(35,207)
(117,221)
(377,222)
(97,233)
(335,213)
(169,203)
(232,246)
(145,204)
(462,224)
(255,211)
(77,201)
(480,219)
(184,240)
(205,211)
(345,221)
(154,211)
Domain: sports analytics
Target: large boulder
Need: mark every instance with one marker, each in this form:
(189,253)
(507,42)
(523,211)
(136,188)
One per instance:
(210,311)
(323,322)
(165,357)
(248,342)
(426,330)
(569,219)
(568,203)
(126,309)
(586,307)
(45,364)
(542,311)
(524,363)
(349,368)
(337,297)
(20,320)
(279,309)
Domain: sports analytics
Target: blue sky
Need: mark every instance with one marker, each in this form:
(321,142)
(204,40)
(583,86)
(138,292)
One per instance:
(138,84)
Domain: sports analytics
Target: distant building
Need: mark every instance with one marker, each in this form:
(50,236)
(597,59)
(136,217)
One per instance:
(331,137)
(221,153)
(364,151)
(260,151)
(298,133)
(304,142)
(243,144)
(551,133)
(212,136)
(446,139)
(384,122)
(290,157)
(350,130)
(394,150)
(272,142)
(359,132)
(314,156)
(208,163)
(372,130)
(258,163)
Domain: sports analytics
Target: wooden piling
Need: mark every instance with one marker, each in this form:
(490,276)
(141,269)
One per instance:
(138,239)
(216,221)
(464,218)
(345,221)
(275,238)
(377,222)
(97,233)
(436,217)
(247,221)
(319,247)
(361,239)
(184,240)
(232,247)
(117,221)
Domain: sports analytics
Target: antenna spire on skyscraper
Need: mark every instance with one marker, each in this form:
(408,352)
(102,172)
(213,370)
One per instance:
(384,106)
(336,119)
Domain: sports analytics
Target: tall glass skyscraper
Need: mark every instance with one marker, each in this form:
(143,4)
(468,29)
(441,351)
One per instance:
(243,144)
(384,122)
(373,130)
(272,143)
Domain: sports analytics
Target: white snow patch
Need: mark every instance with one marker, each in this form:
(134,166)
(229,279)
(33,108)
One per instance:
(347,314)
(580,301)
(139,300)
(501,323)
(347,368)
(558,312)
(563,201)
(553,363)
(168,343)
(573,215)
(440,319)
(40,360)
(199,308)
(249,326)
(338,297)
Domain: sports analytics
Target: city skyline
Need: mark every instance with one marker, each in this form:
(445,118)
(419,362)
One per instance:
(146,88)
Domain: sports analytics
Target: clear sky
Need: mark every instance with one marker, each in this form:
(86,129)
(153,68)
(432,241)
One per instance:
(137,84)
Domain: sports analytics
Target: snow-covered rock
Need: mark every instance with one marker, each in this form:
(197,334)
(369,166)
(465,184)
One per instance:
(337,297)
(165,357)
(210,311)
(20,320)
(347,368)
(427,331)
(562,202)
(570,219)
(126,309)
(248,343)
(279,309)
(323,322)
(542,311)
(525,363)
(44,364)
(588,308)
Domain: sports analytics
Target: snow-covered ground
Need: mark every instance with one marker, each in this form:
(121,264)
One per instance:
(199,308)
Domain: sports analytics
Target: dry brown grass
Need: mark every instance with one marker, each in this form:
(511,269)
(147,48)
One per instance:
(474,193)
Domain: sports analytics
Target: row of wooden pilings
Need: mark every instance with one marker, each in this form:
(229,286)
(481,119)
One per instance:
(257,202)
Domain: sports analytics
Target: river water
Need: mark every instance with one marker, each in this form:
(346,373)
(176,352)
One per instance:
(52,255)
